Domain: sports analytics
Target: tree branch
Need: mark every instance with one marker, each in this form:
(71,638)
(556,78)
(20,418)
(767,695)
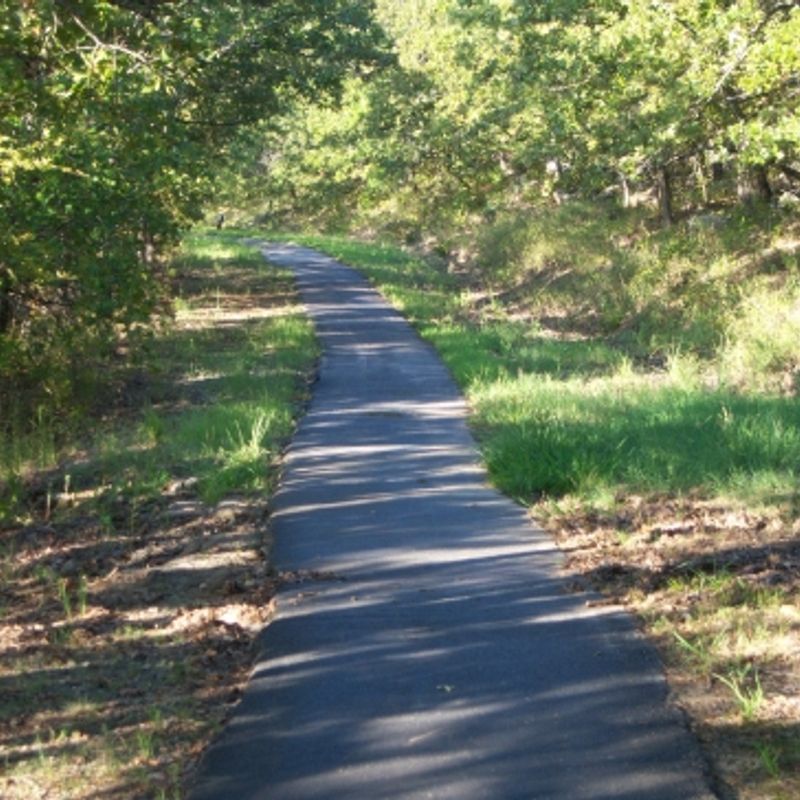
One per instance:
(116,48)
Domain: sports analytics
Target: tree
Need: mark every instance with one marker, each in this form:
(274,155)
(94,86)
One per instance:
(495,103)
(114,117)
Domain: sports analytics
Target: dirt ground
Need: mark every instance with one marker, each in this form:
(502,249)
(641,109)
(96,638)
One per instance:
(718,589)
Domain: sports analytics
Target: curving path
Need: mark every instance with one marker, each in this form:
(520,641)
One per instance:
(431,650)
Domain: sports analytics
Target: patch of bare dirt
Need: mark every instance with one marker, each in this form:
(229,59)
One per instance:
(129,648)
(718,589)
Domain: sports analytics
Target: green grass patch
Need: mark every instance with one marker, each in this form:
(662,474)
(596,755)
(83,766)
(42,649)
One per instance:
(221,384)
(118,560)
(563,416)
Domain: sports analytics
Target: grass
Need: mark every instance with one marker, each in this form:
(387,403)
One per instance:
(246,373)
(698,286)
(560,417)
(671,488)
(122,550)
(746,688)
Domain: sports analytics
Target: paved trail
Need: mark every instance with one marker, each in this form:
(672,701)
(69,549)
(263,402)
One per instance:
(440,657)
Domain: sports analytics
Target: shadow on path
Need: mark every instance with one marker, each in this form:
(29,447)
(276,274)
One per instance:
(442,657)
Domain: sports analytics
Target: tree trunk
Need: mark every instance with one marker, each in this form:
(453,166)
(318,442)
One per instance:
(6,307)
(626,191)
(701,178)
(763,188)
(753,184)
(664,191)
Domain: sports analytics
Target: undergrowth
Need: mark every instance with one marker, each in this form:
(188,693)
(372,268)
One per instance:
(133,577)
(590,416)
(720,285)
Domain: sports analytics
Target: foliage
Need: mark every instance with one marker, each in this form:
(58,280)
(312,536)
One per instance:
(114,117)
(495,106)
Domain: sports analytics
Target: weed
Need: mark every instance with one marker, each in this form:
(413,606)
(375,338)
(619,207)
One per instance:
(153,426)
(157,718)
(145,744)
(701,581)
(106,519)
(745,685)
(62,587)
(179,672)
(82,595)
(60,636)
(131,632)
(769,756)
(623,537)
(44,575)
(700,650)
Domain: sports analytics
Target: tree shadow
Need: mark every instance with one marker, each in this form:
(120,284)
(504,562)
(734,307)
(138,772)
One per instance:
(132,595)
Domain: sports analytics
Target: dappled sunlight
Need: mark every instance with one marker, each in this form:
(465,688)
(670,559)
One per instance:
(135,588)
(429,646)
(458,699)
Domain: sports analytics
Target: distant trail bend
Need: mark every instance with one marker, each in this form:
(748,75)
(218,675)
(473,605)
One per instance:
(443,658)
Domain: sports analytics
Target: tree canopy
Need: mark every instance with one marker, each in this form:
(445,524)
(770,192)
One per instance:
(492,102)
(120,121)
(114,116)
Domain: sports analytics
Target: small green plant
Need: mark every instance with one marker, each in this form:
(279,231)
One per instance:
(623,537)
(71,602)
(157,718)
(701,581)
(41,755)
(700,650)
(60,636)
(179,672)
(62,588)
(131,633)
(153,427)
(745,685)
(145,744)
(43,574)
(769,755)
(7,553)
(82,595)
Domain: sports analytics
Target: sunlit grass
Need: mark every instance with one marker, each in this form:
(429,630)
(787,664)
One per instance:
(106,697)
(557,417)
(241,383)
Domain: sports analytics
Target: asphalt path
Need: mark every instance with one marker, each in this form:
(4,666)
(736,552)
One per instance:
(427,647)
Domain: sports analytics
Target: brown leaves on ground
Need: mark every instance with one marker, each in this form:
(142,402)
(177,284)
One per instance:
(717,587)
(121,654)
(129,615)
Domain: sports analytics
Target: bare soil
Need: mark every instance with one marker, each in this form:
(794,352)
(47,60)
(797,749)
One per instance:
(718,589)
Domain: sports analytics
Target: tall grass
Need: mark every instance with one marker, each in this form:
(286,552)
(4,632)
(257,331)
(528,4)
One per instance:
(689,287)
(218,399)
(589,417)
(550,436)
(240,379)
